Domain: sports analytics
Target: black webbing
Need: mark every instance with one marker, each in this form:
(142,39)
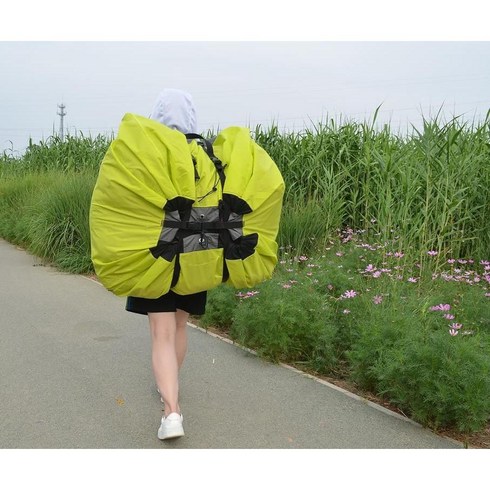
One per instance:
(208,148)
(200,225)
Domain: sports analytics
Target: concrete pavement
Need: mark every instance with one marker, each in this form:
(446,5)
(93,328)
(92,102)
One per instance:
(76,373)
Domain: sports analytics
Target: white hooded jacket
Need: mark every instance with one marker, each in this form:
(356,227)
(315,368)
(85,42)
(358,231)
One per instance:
(175,108)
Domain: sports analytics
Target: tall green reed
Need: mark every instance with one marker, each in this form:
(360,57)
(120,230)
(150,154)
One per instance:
(72,154)
(429,189)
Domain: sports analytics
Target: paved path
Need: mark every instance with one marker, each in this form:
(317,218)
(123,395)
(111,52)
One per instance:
(76,373)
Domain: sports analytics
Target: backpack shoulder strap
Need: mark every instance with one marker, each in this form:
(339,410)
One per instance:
(208,148)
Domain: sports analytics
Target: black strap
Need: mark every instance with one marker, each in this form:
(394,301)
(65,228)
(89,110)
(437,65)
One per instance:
(176,274)
(208,147)
(207,225)
(196,175)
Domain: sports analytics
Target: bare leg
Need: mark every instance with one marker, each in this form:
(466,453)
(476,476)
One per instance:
(163,327)
(181,336)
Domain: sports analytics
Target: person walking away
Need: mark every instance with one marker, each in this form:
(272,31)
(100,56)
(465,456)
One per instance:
(168,314)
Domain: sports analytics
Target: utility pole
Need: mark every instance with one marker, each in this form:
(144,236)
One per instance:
(62,114)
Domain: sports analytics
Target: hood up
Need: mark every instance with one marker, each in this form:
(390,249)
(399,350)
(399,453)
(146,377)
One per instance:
(176,110)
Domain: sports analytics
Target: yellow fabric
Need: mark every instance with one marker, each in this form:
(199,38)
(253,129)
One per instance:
(253,176)
(149,164)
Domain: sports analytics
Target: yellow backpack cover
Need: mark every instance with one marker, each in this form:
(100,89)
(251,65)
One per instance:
(174,212)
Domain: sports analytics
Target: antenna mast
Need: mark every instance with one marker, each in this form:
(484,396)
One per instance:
(62,114)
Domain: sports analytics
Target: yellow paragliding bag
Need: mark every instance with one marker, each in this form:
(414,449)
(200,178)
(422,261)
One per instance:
(174,212)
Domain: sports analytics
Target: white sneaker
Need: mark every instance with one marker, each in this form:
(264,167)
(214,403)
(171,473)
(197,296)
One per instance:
(171,426)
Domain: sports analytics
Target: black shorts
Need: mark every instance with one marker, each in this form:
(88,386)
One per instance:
(194,304)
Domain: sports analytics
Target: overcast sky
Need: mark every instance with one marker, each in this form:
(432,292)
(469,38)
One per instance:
(289,83)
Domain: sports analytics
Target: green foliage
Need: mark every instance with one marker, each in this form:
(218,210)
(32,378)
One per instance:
(220,309)
(378,233)
(48,214)
(17,200)
(60,229)
(45,198)
(283,323)
(440,381)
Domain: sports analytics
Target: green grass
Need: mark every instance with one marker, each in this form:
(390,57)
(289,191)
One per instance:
(48,215)
(60,232)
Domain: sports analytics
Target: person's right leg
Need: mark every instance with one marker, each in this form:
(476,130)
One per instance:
(165,363)
(181,318)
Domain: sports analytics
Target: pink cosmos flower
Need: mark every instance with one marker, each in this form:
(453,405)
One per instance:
(412,279)
(448,316)
(349,294)
(455,326)
(451,261)
(248,294)
(453,332)
(440,307)
(286,286)
(432,253)
(398,255)
(377,299)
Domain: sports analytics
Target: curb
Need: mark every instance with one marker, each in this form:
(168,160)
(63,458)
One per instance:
(314,378)
(330,385)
